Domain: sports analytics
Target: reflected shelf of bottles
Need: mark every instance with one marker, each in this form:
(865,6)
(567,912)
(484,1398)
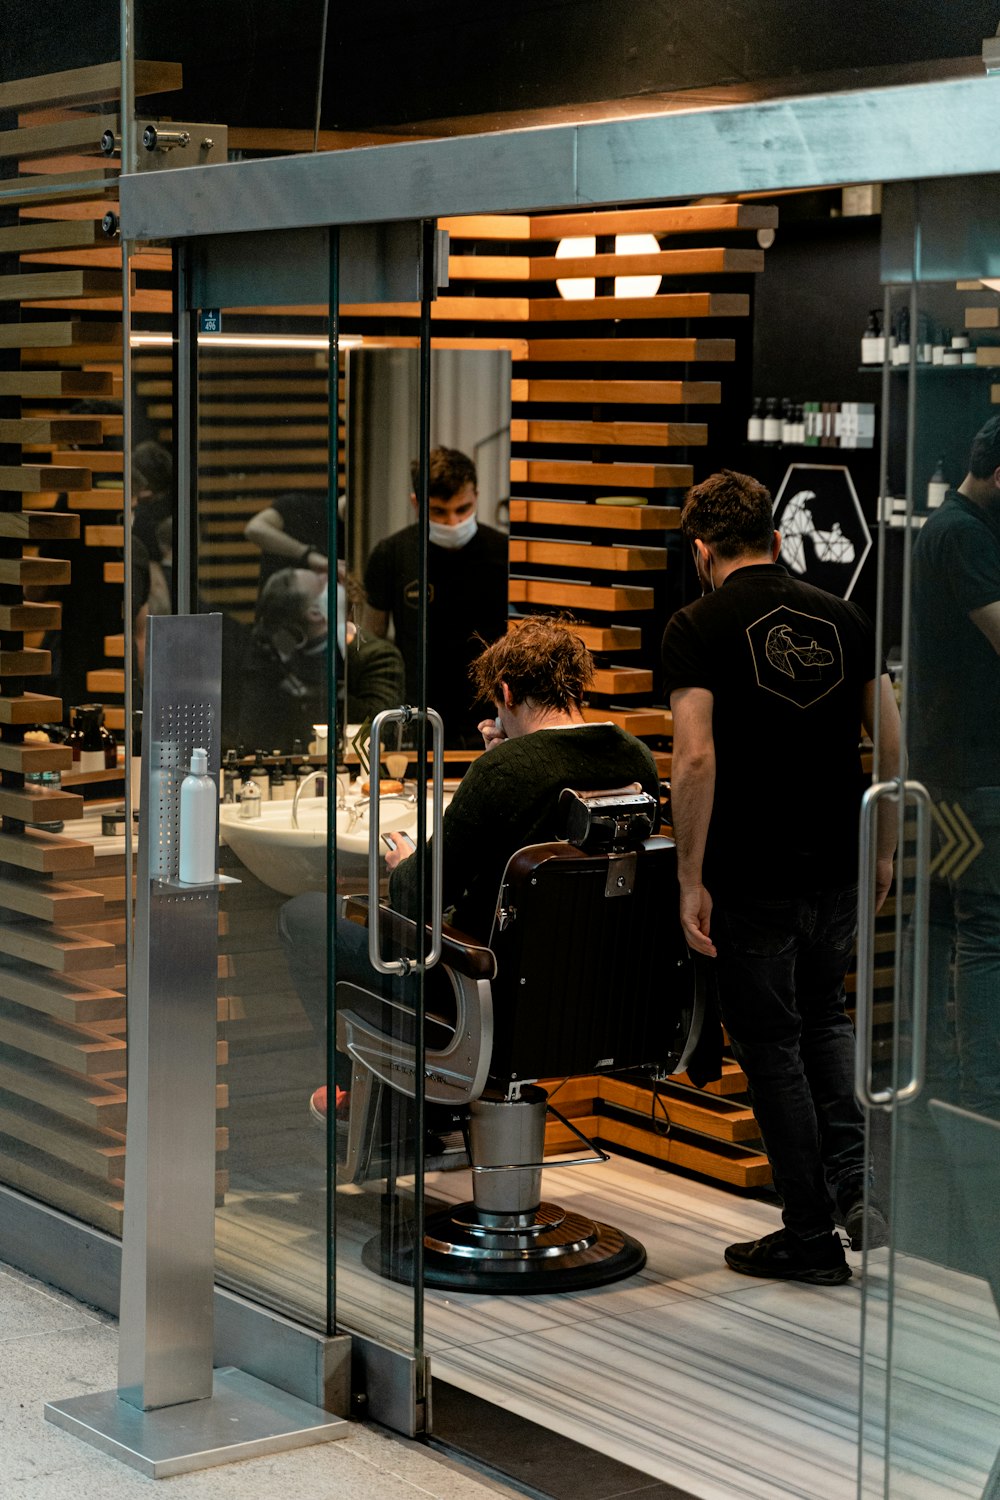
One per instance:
(775,422)
(934,347)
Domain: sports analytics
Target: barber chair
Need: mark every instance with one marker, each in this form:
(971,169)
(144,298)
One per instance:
(586,972)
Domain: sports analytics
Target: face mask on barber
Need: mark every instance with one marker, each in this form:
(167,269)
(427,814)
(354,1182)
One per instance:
(453,537)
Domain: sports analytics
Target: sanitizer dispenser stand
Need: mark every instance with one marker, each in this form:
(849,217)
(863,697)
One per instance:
(172,1412)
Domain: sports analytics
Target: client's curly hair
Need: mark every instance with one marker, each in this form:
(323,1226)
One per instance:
(540,658)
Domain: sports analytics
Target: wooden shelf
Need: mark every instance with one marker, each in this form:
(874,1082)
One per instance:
(99,84)
(45,335)
(614,680)
(30,616)
(27,286)
(558,594)
(669,305)
(82,133)
(587,555)
(30,478)
(37,526)
(51,430)
(31,758)
(611,434)
(599,517)
(31,708)
(39,805)
(696,218)
(622,392)
(637,721)
(46,384)
(34,570)
(619,477)
(631,351)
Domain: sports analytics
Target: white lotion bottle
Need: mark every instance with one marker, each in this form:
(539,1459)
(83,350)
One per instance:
(199,839)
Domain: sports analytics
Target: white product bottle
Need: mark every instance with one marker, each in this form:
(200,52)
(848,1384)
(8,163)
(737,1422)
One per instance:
(199,839)
(937,486)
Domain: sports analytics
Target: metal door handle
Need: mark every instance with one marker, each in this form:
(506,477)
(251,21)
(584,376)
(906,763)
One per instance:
(405,965)
(879,792)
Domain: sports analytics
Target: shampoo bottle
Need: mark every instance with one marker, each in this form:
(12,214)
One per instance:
(199,838)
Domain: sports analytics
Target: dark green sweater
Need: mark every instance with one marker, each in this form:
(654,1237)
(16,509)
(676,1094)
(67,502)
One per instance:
(507,799)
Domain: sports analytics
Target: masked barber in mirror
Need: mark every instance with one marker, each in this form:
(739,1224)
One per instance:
(284,686)
(466,592)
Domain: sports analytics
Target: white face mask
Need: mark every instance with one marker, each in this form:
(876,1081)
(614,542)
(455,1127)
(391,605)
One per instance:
(453,537)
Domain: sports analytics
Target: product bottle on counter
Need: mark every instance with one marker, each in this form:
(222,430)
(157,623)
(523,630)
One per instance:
(230,778)
(277,782)
(93,746)
(135,760)
(755,422)
(787,422)
(262,776)
(901,353)
(872,340)
(772,422)
(249,798)
(937,486)
(199,838)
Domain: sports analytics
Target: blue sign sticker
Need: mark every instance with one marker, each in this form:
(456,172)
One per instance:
(210,320)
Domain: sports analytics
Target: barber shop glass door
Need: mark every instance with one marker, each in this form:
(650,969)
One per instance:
(929,1003)
(332,775)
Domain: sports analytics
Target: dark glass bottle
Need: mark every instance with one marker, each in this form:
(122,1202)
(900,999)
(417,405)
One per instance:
(92,744)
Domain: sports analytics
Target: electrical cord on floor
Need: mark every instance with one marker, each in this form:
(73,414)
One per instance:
(663,1127)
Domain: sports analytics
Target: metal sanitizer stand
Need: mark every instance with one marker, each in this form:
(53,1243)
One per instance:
(171,1412)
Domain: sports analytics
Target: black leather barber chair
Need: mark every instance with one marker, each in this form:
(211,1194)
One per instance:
(586,972)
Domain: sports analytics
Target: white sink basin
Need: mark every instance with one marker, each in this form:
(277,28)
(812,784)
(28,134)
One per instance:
(293,860)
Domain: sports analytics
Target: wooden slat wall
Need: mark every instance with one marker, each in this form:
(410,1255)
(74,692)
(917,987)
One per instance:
(62,908)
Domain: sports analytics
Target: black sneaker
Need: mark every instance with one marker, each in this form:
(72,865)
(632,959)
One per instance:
(783,1256)
(865,1227)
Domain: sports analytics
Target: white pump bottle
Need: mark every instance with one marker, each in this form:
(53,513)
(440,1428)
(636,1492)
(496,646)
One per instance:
(199,838)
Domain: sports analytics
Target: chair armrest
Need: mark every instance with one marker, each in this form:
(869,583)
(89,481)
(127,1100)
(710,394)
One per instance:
(459,951)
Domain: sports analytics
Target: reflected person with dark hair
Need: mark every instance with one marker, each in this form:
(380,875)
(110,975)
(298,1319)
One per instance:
(284,682)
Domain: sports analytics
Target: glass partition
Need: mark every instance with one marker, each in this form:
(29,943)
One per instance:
(931,1326)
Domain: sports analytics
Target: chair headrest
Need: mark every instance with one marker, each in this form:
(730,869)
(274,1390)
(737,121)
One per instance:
(609,821)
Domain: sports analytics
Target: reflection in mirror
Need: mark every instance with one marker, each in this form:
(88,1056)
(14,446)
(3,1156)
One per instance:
(469,489)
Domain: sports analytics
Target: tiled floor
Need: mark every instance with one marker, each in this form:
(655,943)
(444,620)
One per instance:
(52,1347)
(730,1389)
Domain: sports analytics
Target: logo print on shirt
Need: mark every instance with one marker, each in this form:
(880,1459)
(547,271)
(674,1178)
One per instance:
(795,655)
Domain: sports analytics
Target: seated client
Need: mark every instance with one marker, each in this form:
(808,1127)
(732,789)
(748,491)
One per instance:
(539,743)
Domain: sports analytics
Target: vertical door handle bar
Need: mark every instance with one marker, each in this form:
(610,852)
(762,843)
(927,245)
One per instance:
(916,792)
(405,716)
(879,792)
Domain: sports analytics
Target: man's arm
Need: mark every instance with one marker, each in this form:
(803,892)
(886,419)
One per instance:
(987,620)
(888,766)
(692,793)
(267,531)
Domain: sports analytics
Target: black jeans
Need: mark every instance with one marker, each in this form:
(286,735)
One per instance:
(781,967)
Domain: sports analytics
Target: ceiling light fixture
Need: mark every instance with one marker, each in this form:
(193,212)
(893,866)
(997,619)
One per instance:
(574,288)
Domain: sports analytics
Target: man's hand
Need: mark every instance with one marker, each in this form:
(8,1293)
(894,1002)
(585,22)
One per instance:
(402,848)
(696,916)
(883,880)
(491,732)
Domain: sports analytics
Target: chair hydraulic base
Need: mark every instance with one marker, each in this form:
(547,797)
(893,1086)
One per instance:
(549,1250)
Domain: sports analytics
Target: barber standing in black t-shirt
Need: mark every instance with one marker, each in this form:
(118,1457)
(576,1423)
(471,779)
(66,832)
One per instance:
(769,682)
(467,593)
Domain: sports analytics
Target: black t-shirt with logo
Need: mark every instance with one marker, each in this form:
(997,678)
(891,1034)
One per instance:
(467,597)
(786,664)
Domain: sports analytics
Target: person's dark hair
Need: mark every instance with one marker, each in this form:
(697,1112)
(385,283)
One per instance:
(540,658)
(984,459)
(280,617)
(450,471)
(730,512)
(152,468)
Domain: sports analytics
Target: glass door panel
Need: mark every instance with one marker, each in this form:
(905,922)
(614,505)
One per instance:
(931,1408)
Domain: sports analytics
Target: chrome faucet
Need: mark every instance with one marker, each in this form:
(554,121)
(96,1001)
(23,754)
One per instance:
(313,776)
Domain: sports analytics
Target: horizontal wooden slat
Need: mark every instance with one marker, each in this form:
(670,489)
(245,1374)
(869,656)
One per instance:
(446,309)
(53,948)
(614,680)
(487,226)
(725,1122)
(104,536)
(611,434)
(34,570)
(30,616)
(26,663)
(108,462)
(92,1101)
(31,708)
(35,849)
(36,804)
(106,680)
(54,383)
(114,572)
(62,1186)
(45,335)
(617,476)
(586,555)
(690,218)
(273,482)
(99,84)
(599,517)
(695,262)
(79,134)
(666,305)
(60,234)
(29,478)
(35,526)
(624,392)
(638,721)
(31,758)
(250,457)
(51,900)
(51,430)
(609,637)
(741,1168)
(578,596)
(982,317)
(97,1152)
(634,351)
(27,286)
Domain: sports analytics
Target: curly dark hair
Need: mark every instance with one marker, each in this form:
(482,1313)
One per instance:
(984,459)
(448,472)
(540,658)
(731,513)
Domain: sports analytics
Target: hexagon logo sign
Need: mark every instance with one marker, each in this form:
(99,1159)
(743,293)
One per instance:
(824,534)
(796,655)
